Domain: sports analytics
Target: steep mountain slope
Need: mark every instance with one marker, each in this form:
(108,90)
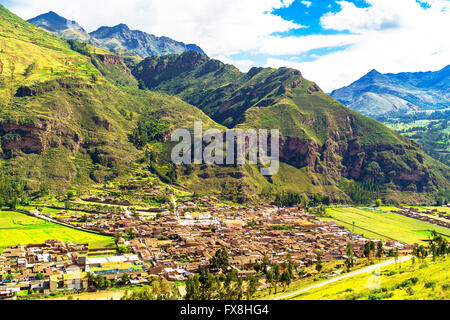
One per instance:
(323,142)
(65,115)
(377,94)
(119,39)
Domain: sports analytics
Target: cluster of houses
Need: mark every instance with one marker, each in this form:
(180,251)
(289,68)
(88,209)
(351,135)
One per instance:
(174,243)
(42,267)
(432,216)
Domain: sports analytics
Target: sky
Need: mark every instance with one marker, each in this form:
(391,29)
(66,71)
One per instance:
(333,43)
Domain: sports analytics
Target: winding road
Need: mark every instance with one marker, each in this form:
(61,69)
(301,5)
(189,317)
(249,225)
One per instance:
(348,275)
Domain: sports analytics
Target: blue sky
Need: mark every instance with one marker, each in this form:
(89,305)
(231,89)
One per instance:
(331,42)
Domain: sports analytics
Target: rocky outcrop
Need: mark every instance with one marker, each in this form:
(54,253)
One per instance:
(36,137)
(41,88)
(110,59)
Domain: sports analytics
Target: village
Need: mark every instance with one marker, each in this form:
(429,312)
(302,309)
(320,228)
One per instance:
(175,242)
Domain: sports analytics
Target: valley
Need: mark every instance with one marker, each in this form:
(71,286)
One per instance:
(93,206)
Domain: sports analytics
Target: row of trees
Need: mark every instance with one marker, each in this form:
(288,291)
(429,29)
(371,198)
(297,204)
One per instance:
(12,191)
(438,247)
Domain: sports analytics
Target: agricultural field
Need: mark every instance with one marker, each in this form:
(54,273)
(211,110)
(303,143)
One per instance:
(433,135)
(384,225)
(406,281)
(18,228)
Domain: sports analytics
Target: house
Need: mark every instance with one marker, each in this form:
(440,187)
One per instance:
(72,281)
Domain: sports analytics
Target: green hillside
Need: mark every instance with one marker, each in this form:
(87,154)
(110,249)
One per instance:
(72,115)
(324,144)
(67,109)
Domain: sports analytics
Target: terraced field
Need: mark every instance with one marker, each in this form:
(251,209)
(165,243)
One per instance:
(384,225)
(18,228)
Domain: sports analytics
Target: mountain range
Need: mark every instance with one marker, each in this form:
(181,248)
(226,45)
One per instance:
(74,115)
(118,39)
(377,94)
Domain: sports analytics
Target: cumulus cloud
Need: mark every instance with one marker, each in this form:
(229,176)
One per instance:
(219,27)
(391,36)
(394,36)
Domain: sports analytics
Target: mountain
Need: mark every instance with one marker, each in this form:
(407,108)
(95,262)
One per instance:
(323,143)
(119,39)
(414,104)
(67,109)
(69,29)
(73,115)
(377,94)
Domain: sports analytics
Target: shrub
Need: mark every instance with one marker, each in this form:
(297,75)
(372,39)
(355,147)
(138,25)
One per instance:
(410,291)
(430,284)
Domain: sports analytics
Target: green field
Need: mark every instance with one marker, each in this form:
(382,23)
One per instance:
(384,225)
(392,282)
(18,228)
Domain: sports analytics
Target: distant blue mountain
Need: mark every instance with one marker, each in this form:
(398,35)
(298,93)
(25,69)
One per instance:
(376,94)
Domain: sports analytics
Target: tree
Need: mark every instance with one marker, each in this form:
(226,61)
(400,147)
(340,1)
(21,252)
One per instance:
(9,277)
(319,265)
(40,276)
(369,249)
(265,264)
(286,279)
(163,290)
(380,250)
(12,191)
(349,262)
(270,279)
(276,275)
(220,260)
(192,288)
(125,279)
(379,203)
(252,287)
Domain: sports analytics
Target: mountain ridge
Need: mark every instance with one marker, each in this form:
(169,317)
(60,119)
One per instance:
(72,116)
(119,39)
(319,134)
(376,94)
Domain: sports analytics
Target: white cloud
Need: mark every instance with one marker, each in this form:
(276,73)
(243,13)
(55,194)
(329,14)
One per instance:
(308,4)
(219,27)
(391,36)
(416,41)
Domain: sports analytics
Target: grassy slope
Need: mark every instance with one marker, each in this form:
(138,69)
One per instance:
(274,99)
(384,224)
(357,287)
(19,228)
(91,104)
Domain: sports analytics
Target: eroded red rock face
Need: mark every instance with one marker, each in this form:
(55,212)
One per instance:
(37,137)
(111,59)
